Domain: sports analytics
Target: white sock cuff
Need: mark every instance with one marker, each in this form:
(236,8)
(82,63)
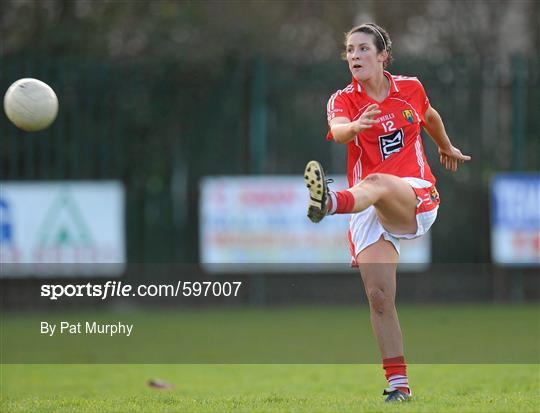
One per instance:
(398,380)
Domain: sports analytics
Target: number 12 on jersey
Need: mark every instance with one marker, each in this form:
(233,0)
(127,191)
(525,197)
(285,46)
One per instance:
(388,126)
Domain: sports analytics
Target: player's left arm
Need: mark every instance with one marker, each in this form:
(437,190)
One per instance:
(449,154)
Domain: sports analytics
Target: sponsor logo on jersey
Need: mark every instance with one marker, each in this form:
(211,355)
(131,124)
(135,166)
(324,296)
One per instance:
(408,115)
(386,117)
(391,143)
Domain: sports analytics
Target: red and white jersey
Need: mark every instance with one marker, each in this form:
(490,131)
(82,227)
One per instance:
(394,144)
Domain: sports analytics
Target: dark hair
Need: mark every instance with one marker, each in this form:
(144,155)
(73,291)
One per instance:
(381,39)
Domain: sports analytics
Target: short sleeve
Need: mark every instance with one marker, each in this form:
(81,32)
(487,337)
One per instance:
(335,108)
(421,102)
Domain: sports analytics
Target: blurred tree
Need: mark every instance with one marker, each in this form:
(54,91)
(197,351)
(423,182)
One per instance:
(294,30)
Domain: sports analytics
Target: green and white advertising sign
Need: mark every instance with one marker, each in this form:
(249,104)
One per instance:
(62,228)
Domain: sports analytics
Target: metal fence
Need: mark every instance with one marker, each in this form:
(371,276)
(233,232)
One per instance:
(160,126)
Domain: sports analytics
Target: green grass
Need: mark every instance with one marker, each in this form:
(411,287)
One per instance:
(475,334)
(265,388)
(288,348)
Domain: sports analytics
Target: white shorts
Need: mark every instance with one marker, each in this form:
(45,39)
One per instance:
(365,228)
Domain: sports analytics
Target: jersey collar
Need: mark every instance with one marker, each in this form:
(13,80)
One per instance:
(393,85)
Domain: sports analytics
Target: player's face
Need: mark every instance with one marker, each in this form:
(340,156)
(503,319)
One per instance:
(362,55)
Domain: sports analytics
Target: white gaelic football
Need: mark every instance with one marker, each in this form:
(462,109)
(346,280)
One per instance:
(30,104)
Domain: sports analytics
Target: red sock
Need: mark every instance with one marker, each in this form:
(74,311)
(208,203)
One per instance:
(341,202)
(396,373)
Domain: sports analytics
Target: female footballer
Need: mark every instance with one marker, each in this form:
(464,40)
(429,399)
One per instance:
(391,191)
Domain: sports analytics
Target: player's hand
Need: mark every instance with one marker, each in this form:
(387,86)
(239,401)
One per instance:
(366,121)
(450,157)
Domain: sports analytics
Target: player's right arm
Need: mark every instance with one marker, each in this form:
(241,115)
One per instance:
(344,130)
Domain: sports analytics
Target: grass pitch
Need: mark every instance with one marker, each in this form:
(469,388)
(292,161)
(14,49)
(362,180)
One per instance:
(456,335)
(433,334)
(265,388)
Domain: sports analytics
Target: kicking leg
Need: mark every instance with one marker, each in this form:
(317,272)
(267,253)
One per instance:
(393,198)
